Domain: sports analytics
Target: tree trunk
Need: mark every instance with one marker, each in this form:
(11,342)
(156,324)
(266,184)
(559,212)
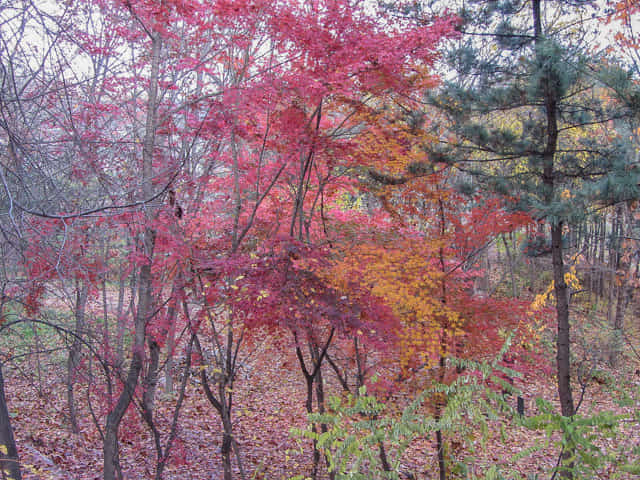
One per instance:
(439,405)
(37,349)
(309,407)
(320,401)
(442,466)
(227,439)
(119,350)
(122,316)
(317,357)
(612,266)
(507,249)
(106,341)
(145,287)
(625,290)
(110,444)
(602,270)
(74,352)
(151,378)
(384,461)
(171,345)
(624,295)
(549,179)
(562,307)
(9,461)
(563,345)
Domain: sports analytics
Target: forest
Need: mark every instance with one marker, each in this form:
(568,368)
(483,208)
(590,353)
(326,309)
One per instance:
(319,239)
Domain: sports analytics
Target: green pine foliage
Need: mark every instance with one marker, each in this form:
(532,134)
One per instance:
(496,125)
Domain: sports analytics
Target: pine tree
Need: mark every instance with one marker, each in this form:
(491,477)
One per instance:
(531,113)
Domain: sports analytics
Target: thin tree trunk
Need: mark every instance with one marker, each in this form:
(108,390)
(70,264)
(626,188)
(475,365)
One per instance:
(164,456)
(382,453)
(110,447)
(603,241)
(440,400)
(122,316)
(106,342)
(310,378)
(222,401)
(37,348)
(145,287)
(171,345)
(563,345)
(150,381)
(507,249)
(320,399)
(625,290)
(360,364)
(617,335)
(227,437)
(589,241)
(441,397)
(74,352)
(309,407)
(442,465)
(612,266)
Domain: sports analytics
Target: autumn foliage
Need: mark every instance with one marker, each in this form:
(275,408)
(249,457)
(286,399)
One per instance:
(192,185)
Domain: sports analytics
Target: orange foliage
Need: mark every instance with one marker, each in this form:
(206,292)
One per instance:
(406,276)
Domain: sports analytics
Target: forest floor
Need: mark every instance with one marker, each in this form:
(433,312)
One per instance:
(269,403)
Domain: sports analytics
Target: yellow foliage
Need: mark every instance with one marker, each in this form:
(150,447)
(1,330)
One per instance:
(570,278)
(407,280)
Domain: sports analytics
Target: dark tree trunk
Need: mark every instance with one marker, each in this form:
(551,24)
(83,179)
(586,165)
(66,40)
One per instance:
(562,307)
(439,406)
(311,377)
(9,461)
(360,364)
(442,466)
(227,439)
(549,179)
(563,345)
(222,400)
(382,453)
